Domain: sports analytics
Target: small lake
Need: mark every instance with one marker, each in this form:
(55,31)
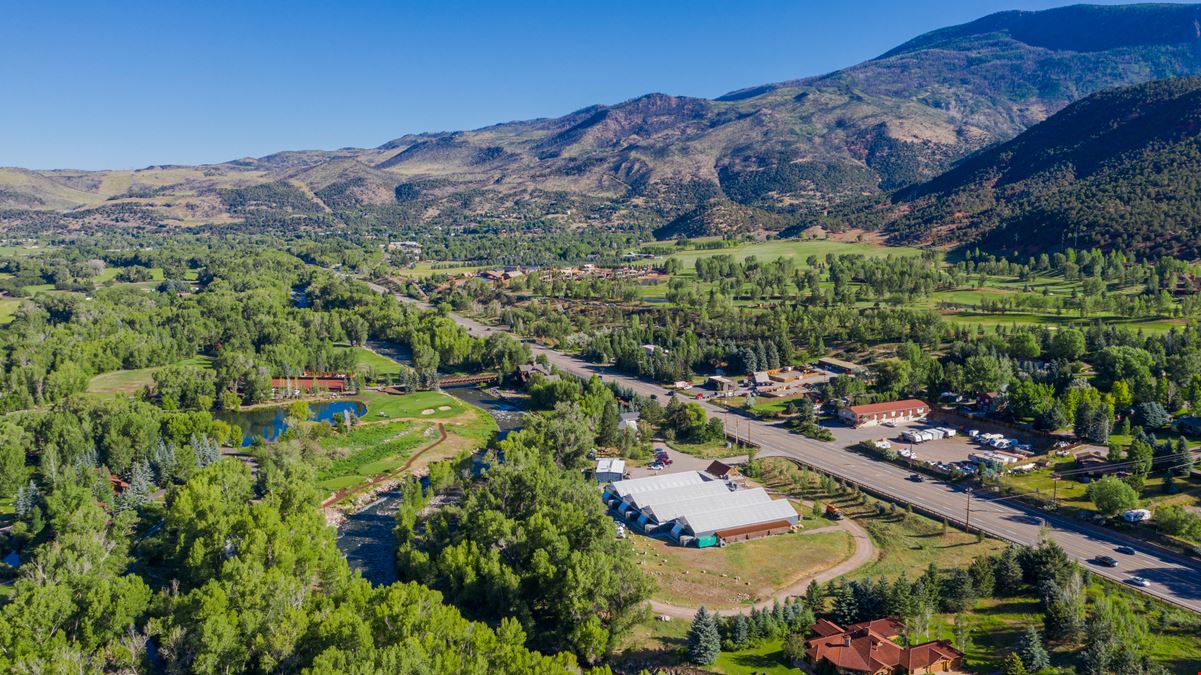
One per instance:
(269,423)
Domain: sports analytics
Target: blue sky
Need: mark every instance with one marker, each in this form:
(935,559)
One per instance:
(128,84)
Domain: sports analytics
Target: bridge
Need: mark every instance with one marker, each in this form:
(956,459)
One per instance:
(468,379)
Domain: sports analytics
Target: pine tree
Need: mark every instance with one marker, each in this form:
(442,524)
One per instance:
(846,606)
(141,487)
(26,499)
(704,642)
(740,632)
(1034,654)
(1014,665)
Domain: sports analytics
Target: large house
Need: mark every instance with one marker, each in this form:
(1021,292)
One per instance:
(873,414)
(870,647)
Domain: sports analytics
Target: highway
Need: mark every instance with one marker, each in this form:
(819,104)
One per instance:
(1174,578)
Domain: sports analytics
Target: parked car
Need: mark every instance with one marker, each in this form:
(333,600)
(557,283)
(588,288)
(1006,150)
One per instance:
(1106,561)
(655,467)
(1138,581)
(1125,550)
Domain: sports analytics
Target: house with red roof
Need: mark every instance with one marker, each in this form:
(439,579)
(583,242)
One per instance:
(871,647)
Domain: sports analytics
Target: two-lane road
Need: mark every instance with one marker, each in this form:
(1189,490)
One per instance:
(1174,578)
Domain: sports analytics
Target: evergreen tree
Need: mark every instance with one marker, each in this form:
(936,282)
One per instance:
(846,606)
(141,487)
(704,643)
(1034,654)
(1014,665)
(740,632)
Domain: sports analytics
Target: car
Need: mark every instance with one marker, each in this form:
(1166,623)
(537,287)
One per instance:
(1105,561)
(1138,581)
(1125,550)
(890,423)
(917,478)
(655,467)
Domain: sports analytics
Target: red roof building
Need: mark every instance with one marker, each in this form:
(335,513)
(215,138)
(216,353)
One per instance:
(873,414)
(869,647)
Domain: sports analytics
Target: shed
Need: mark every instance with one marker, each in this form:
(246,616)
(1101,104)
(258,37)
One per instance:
(609,470)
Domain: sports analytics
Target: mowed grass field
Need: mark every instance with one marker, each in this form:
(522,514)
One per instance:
(433,405)
(376,363)
(371,450)
(133,381)
(794,248)
(8,307)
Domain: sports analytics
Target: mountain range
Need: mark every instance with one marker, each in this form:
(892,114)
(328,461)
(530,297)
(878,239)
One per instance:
(765,157)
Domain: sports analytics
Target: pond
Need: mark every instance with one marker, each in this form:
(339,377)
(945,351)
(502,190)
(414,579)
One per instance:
(269,423)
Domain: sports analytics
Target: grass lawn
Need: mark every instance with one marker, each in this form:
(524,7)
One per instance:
(8,308)
(1072,493)
(711,450)
(905,543)
(794,248)
(739,574)
(133,381)
(766,659)
(377,363)
(426,268)
(420,405)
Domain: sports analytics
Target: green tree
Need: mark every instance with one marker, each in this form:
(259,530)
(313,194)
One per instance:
(12,458)
(1112,496)
(704,642)
(1033,653)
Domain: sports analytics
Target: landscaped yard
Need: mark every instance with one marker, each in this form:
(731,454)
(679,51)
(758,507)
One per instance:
(710,450)
(740,574)
(133,381)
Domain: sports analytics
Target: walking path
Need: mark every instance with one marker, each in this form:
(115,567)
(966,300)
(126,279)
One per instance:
(865,552)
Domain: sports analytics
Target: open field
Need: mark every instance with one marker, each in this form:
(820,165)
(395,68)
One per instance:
(377,363)
(133,381)
(8,307)
(424,269)
(794,248)
(371,450)
(905,543)
(415,405)
(739,574)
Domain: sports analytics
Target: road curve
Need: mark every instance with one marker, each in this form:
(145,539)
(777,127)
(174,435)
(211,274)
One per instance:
(1174,578)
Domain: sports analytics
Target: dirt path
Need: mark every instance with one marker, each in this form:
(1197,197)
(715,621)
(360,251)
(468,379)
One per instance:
(340,494)
(865,552)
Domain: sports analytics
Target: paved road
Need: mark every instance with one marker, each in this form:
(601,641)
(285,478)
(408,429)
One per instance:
(1174,578)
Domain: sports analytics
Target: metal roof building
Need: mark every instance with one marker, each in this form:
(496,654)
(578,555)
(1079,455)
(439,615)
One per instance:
(709,522)
(669,511)
(625,488)
(647,500)
(609,470)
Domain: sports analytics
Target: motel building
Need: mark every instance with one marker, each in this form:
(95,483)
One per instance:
(874,414)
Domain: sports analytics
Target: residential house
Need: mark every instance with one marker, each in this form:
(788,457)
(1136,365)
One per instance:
(871,647)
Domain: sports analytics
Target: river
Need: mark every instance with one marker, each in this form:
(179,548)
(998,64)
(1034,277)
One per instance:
(366,538)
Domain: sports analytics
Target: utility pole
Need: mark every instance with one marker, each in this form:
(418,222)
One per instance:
(1054,493)
(968,519)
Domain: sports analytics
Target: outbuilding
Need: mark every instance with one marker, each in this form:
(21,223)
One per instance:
(609,470)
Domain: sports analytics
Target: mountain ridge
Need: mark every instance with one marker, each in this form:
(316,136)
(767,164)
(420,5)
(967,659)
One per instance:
(771,153)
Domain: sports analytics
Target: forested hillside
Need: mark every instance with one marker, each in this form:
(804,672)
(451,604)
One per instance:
(1118,170)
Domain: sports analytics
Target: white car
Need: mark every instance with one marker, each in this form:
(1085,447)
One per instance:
(1138,581)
